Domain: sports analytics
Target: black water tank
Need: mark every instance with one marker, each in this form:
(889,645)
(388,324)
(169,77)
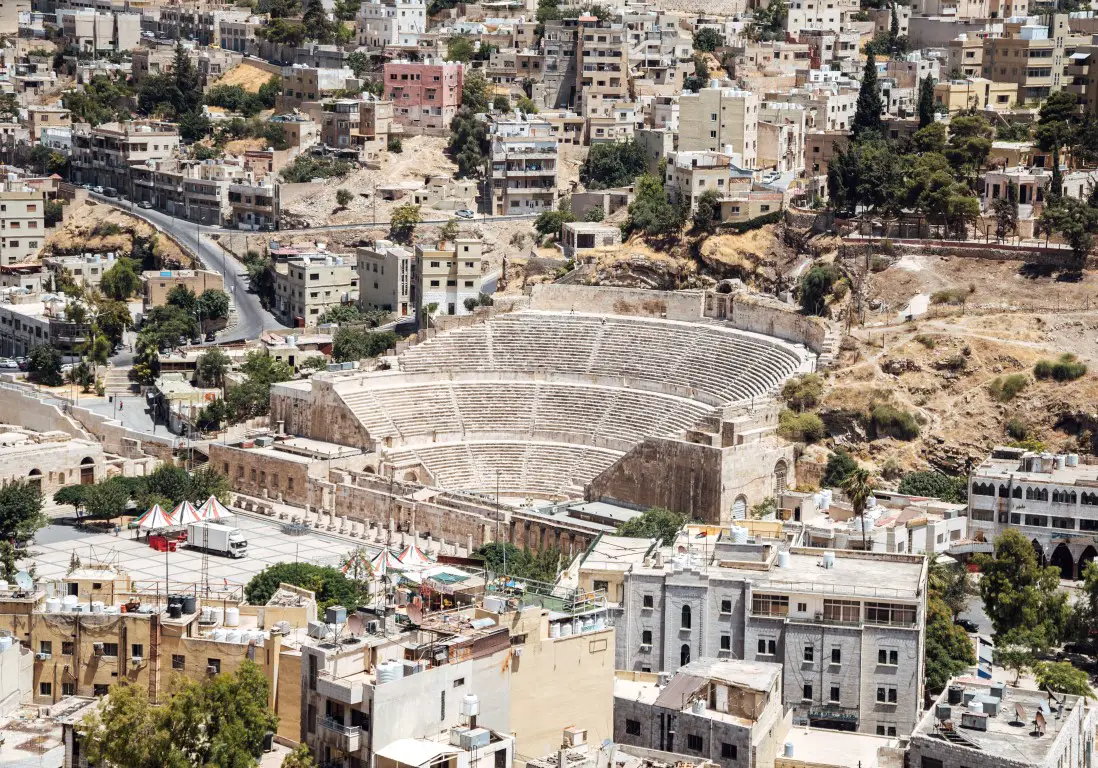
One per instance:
(190,604)
(175,610)
(175,600)
(956,693)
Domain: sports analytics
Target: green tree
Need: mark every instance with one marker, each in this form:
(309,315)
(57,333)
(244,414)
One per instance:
(1005,210)
(1075,221)
(302,757)
(948,581)
(549,222)
(816,285)
(20,510)
(867,114)
(708,212)
(504,557)
(460,48)
(340,315)
(402,225)
(839,465)
(770,21)
(252,397)
(1062,677)
(350,343)
(358,62)
(107,499)
(858,488)
(594,214)
(654,523)
(936,485)
(926,100)
(651,212)
(344,197)
(1018,593)
(526,105)
(476,91)
(212,367)
(329,584)
(469,143)
(708,40)
(183,297)
(73,495)
(44,365)
(113,320)
(206,482)
(501,103)
(449,231)
(213,304)
(316,22)
(947,648)
(213,416)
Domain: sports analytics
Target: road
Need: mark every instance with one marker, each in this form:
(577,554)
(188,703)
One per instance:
(252,318)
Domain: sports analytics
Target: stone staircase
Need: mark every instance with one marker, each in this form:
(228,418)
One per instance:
(117,381)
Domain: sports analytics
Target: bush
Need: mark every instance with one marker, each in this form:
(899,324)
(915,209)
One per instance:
(839,465)
(879,263)
(803,392)
(953,363)
(949,296)
(394,144)
(936,485)
(1017,429)
(816,286)
(888,421)
(344,197)
(1006,388)
(926,341)
(1066,368)
(801,427)
(331,586)
(305,168)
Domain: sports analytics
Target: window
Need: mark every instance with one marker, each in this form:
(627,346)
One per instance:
(633,727)
(179,662)
(646,637)
(68,689)
(215,664)
(45,646)
(806,692)
(110,649)
(66,648)
(768,647)
(684,655)
(802,607)
(809,653)
(834,699)
(770,605)
(442,706)
(891,658)
(685,623)
(459,682)
(836,655)
(694,742)
(886,694)
(45,689)
(138,650)
(843,611)
(728,751)
(726,606)
(726,642)
(890,613)
(100,689)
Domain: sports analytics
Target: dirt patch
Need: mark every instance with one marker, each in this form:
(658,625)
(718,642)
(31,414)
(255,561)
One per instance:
(247,76)
(94,228)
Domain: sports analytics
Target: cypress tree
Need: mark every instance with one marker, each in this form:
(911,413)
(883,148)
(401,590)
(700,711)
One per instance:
(894,28)
(926,101)
(867,116)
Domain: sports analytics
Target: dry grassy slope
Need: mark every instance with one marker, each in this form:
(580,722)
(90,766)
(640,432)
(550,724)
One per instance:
(77,235)
(247,76)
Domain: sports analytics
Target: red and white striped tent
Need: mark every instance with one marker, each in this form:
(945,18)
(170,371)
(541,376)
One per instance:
(213,510)
(155,519)
(385,561)
(185,514)
(414,557)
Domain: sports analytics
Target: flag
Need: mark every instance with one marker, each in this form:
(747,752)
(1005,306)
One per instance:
(702,534)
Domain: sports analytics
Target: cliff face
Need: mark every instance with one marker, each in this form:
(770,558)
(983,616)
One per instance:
(94,228)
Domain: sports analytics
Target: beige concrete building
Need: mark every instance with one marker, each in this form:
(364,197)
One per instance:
(449,277)
(91,31)
(50,460)
(1032,56)
(158,284)
(280,468)
(9,15)
(387,278)
(523,176)
(254,205)
(102,154)
(85,269)
(690,174)
(720,120)
(22,223)
(301,84)
(976,93)
(40,117)
(308,286)
(602,67)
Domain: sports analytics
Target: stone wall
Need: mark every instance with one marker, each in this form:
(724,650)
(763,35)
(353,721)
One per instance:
(317,412)
(669,305)
(768,316)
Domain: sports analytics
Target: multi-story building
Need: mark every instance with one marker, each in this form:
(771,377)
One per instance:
(781,136)
(196,191)
(976,93)
(40,118)
(449,277)
(301,83)
(557,89)
(254,205)
(197,22)
(1051,499)
(425,94)
(22,222)
(1013,728)
(726,711)
(362,123)
(389,23)
(157,284)
(964,57)
(308,286)
(103,154)
(818,14)
(387,278)
(29,320)
(84,269)
(91,31)
(690,174)
(846,626)
(9,15)
(239,34)
(1032,55)
(523,176)
(721,120)
(602,67)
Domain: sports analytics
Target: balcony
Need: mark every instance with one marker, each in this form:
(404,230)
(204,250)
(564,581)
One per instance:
(343,690)
(334,734)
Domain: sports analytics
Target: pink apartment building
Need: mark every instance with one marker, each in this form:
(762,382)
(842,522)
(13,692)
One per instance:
(425,94)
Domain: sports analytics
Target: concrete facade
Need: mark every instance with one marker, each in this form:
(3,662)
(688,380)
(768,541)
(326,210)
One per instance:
(449,277)
(22,223)
(721,120)
(307,287)
(425,94)
(388,278)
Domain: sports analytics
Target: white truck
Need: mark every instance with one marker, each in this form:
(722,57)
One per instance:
(218,539)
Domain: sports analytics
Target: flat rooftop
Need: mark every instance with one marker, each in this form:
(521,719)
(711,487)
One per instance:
(618,552)
(837,748)
(1009,469)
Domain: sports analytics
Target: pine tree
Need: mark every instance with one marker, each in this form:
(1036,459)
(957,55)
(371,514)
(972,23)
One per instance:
(867,116)
(894,28)
(926,101)
(1056,183)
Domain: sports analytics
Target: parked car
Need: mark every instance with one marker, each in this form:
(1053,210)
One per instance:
(97,189)
(464,214)
(267,228)
(211,336)
(145,204)
(9,365)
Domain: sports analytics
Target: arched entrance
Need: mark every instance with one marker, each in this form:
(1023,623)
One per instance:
(684,655)
(1088,555)
(781,469)
(87,471)
(1062,559)
(1037,550)
(739,508)
(35,478)
(411,477)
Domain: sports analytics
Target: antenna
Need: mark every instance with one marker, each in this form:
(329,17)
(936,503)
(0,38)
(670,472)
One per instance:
(24,581)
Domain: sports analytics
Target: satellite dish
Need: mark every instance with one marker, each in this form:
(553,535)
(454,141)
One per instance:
(24,581)
(415,613)
(355,625)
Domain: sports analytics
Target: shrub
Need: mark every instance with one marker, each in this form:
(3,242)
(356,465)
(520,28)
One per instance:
(949,296)
(1006,388)
(935,484)
(889,421)
(879,263)
(801,427)
(1066,368)
(1017,429)
(803,392)
(344,197)
(839,465)
(953,363)
(816,285)
(394,144)
(926,341)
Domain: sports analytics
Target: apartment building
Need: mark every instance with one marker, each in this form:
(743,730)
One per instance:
(362,123)
(828,15)
(523,176)
(387,278)
(27,320)
(301,83)
(691,174)
(9,15)
(726,711)
(40,118)
(389,23)
(196,191)
(449,274)
(847,627)
(308,286)
(782,129)
(254,205)
(103,154)
(425,94)
(239,34)
(976,93)
(1032,55)
(721,120)
(197,22)
(602,67)
(964,57)
(157,284)
(85,269)
(22,223)
(91,31)
(559,43)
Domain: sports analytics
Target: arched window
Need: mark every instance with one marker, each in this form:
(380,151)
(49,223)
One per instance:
(1072,498)
(780,470)
(739,508)
(686,617)
(684,655)
(1029,494)
(87,471)
(35,478)
(1017,492)
(1044,494)
(1003,492)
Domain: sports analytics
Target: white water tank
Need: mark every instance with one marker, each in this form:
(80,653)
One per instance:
(783,558)
(5,642)
(829,559)
(219,634)
(388,671)
(1073,459)
(232,617)
(697,706)
(871,502)
(232,636)
(1061,460)
(97,606)
(470,705)
(566,629)
(739,534)
(827,498)
(207,615)
(69,603)
(788,749)
(53,605)
(554,629)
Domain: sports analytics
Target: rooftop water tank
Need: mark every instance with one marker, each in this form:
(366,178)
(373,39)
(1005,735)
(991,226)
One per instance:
(97,606)
(470,705)
(788,749)
(783,558)
(697,706)
(232,636)
(388,671)
(53,605)
(566,629)
(554,630)
(5,642)
(232,617)
(739,534)
(1073,459)
(829,559)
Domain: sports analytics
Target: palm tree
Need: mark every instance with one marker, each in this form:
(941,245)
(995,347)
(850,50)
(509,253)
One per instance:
(858,487)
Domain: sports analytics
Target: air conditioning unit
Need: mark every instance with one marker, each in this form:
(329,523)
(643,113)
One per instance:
(135,660)
(211,670)
(372,627)
(43,656)
(97,649)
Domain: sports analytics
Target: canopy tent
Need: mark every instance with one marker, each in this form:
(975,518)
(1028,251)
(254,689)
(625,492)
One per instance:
(413,556)
(154,519)
(384,562)
(214,510)
(185,514)
(358,565)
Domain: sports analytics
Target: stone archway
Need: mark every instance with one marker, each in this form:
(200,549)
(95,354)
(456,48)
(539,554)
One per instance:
(739,508)
(1061,558)
(411,477)
(87,471)
(34,477)
(1085,557)
(1040,552)
(781,471)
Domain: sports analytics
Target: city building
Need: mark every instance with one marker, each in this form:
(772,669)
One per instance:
(448,277)
(103,154)
(387,278)
(22,222)
(158,284)
(280,467)
(308,286)
(389,23)
(40,118)
(301,83)
(976,93)
(602,67)
(254,205)
(91,31)
(720,120)
(1032,55)
(49,460)
(690,174)
(846,626)
(425,94)
(523,176)
(85,269)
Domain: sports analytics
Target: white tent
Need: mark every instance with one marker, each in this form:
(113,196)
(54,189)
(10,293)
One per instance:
(384,562)
(185,514)
(155,519)
(212,509)
(413,556)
